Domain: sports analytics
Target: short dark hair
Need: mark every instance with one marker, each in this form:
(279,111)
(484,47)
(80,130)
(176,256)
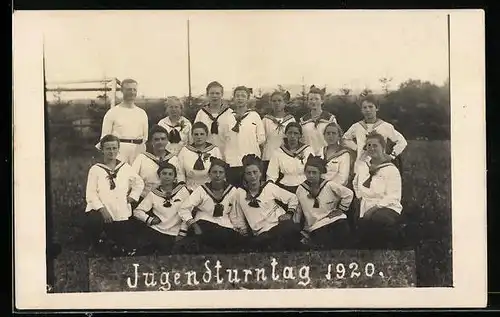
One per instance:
(378,137)
(157,129)
(252,159)
(316,90)
(127,81)
(285,95)
(242,88)
(166,165)
(293,125)
(109,138)
(213,85)
(335,125)
(370,99)
(199,125)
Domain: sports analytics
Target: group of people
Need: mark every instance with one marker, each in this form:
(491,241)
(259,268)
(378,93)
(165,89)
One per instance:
(232,181)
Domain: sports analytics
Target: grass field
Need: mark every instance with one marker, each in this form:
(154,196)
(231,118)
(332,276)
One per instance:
(426,201)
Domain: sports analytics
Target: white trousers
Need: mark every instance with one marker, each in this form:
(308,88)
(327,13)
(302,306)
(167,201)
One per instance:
(129,151)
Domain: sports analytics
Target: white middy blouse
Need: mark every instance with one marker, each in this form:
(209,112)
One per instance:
(338,165)
(247,141)
(205,202)
(184,129)
(289,165)
(223,118)
(384,190)
(146,166)
(156,201)
(110,188)
(264,217)
(312,130)
(275,132)
(187,158)
(355,139)
(331,196)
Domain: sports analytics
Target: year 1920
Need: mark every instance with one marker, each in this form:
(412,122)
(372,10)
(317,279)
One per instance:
(352,270)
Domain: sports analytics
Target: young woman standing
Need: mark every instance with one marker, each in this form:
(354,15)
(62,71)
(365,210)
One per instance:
(314,122)
(244,135)
(274,126)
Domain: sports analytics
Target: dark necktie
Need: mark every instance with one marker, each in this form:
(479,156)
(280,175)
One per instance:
(174,136)
(236,127)
(198,165)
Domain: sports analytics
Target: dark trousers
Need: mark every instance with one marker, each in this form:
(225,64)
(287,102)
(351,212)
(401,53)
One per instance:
(121,234)
(335,235)
(215,238)
(235,176)
(283,237)
(379,230)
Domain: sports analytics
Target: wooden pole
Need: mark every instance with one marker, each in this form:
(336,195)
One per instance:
(189,63)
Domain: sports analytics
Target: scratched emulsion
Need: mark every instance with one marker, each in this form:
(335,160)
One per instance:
(301,270)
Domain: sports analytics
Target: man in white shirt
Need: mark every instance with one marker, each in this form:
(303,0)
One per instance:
(128,122)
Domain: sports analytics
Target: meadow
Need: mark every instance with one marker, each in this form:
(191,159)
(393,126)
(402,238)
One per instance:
(426,201)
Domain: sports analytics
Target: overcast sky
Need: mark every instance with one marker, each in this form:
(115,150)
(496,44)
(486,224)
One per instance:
(255,48)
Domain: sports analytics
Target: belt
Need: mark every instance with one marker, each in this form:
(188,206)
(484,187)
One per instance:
(138,141)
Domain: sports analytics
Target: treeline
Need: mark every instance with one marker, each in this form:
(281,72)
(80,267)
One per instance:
(420,110)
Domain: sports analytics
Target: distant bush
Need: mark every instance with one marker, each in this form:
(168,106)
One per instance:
(419,110)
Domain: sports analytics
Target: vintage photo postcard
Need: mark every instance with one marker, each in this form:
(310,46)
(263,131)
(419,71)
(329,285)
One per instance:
(249,159)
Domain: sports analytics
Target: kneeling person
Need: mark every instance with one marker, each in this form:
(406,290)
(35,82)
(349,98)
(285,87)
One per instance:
(159,211)
(111,187)
(273,228)
(323,204)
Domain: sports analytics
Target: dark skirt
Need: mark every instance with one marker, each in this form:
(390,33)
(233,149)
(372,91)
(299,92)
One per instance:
(283,237)
(115,238)
(235,176)
(336,235)
(152,241)
(215,239)
(380,230)
(265,165)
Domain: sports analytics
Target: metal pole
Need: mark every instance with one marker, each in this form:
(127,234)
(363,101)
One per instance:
(189,63)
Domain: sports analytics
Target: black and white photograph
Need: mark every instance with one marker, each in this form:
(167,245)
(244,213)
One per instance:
(190,159)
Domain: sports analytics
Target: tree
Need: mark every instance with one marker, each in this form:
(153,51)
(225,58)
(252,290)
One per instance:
(385,82)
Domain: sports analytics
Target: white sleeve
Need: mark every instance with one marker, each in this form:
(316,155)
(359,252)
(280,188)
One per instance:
(348,138)
(136,184)
(261,132)
(145,128)
(216,153)
(185,211)
(145,206)
(237,216)
(399,140)
(345,194)
(92,196)
(179,170)
(189,127)
(273,169)
(286,197)
(392,188)
(136,166)
(344,169)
